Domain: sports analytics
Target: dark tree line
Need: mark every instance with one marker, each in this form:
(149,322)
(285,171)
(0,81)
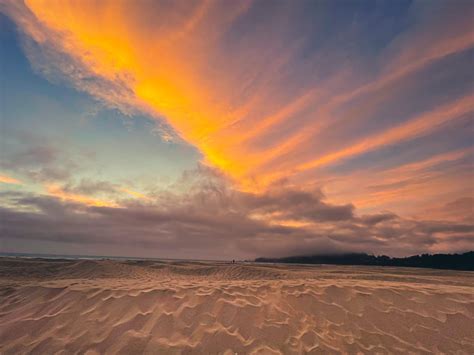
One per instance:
(463,261)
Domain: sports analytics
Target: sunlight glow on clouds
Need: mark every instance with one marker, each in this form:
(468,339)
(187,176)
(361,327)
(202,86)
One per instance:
(173,62)
(370,102)
(9,180)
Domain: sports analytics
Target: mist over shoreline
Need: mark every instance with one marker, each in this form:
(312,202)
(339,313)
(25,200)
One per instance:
(464,261)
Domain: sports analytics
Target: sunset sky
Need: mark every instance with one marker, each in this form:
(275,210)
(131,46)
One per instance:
(236,129)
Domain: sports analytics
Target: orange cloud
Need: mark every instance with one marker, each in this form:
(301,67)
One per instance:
(9,180)
(413,128)
(135,194)
(57,191)
(396,187)
(171,62)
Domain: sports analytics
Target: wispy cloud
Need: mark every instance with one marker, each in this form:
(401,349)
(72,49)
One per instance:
(413,128)
(397,188)
(212,91)
(275,101)
(9,180)
(58,192)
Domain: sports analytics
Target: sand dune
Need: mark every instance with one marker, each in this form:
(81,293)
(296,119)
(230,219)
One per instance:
(131,307)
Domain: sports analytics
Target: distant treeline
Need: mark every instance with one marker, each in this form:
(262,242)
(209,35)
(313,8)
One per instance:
(437,261)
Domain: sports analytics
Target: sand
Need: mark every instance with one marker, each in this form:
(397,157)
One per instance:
(133,307)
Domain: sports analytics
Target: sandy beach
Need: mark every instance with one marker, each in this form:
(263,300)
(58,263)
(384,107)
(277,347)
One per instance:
(133,307)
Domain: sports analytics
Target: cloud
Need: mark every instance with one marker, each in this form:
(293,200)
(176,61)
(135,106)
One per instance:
(297,205)
(36,158)
(273,100)
(404,186)
(91,187)
(93,193)
(58,192)
(213,220)
(415,127)
(378,218)
(9,180)
(224,81)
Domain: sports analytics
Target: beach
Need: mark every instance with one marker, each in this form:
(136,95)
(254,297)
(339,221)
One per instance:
(136,306)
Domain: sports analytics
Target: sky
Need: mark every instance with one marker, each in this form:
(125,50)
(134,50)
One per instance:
(236,129)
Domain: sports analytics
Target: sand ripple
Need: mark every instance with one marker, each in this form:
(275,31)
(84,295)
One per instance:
(130,307)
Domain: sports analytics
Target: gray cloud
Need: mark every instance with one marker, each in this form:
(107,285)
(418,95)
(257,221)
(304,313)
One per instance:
(299,205)
(91,187)
(36,158)
(377,218)
(212,220)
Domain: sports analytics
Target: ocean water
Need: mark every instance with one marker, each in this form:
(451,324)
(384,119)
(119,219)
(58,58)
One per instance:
(91,257)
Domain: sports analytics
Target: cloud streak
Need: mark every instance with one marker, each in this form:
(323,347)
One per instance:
(278,103)
(109,46)
(9,180)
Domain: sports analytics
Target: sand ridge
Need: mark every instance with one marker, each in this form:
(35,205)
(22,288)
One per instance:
(134,306)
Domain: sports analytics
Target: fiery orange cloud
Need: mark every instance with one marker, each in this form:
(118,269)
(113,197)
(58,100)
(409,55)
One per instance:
(9,180)
(105,37)
(324,114)
(412,128)
(222,101)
